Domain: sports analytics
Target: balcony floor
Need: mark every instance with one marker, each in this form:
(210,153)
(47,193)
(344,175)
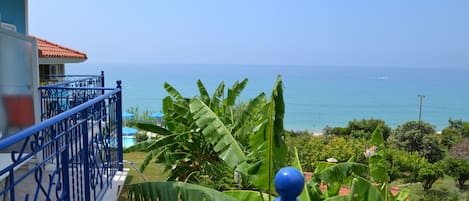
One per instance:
(28,186)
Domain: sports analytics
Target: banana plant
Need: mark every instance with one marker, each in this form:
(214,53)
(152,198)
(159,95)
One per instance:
(211,120)
(334,176)
(204,128)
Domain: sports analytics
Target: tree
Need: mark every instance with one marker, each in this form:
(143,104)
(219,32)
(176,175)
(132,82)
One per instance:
(319,148)
(461,126)
(417,136)
(431,149)
(404,165)
(429,173)
(449,137)
(458,169)
(360,129)
(365,127)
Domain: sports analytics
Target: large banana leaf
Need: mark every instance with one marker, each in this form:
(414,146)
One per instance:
(378,162)
(203,92)
(173,92)
(244,123)
(269,149)
(151,127)
(217,134)
(304,196)
(334,176)
(363,190)
(234,92)
(175,191)
(246,195)
(216,98)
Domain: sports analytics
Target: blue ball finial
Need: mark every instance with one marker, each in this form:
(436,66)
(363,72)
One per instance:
(289,183)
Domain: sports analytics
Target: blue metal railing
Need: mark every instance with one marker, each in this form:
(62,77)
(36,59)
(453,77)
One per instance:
(73,80)
(59,97)
(69,156)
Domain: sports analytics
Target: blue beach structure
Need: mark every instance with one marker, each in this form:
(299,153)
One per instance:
(126,115)
(129,131)
(157,115)
(159,118)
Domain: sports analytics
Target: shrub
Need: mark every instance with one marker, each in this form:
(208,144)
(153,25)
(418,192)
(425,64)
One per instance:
(360,129)
(405,164)
(365,127)
(458,169)
(319,148)
(449,137)
(429,173)
(432,149)
(417,136)
(465,129)
(141,137)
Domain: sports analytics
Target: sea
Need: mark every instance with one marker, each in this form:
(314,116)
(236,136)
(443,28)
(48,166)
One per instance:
(315,96)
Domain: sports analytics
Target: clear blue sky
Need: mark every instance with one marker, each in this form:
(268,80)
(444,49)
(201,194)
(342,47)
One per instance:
(401,33)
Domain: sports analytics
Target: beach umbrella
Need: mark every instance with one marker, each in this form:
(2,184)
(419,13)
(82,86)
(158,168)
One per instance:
(127,115)
(157,115)
(128,131)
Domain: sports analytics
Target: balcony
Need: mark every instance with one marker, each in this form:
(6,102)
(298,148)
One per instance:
(75,152)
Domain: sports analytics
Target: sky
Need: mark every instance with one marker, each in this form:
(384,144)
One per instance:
(395,33)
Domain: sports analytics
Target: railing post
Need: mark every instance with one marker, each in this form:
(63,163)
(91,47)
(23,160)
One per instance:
(86,163)
(64,163)
(102,81)
(120,155)
(289,183)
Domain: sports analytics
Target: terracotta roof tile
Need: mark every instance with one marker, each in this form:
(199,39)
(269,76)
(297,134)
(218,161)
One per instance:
(48,49)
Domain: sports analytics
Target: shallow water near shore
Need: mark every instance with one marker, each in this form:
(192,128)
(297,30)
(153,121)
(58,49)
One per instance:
(315,96)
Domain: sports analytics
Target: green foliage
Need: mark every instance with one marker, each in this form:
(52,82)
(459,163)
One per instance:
(336,131)
(268,150)
(319,148)
(247,195)
(304,196)
(413,168)
(360,129)
(141,137)
(217,134)
(449,137)
(200,142)
(336,175)
(405,164)
(365,127)
(377,161)
(429,173)
(465,129)
(174,191)
(458,169)
(460,126)
(432,150)
(417,136)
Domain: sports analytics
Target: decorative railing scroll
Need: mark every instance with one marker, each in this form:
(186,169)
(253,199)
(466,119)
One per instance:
(72,155)
(75,90)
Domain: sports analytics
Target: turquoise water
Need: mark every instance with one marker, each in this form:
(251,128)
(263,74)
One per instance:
(315,96)
(127,142)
